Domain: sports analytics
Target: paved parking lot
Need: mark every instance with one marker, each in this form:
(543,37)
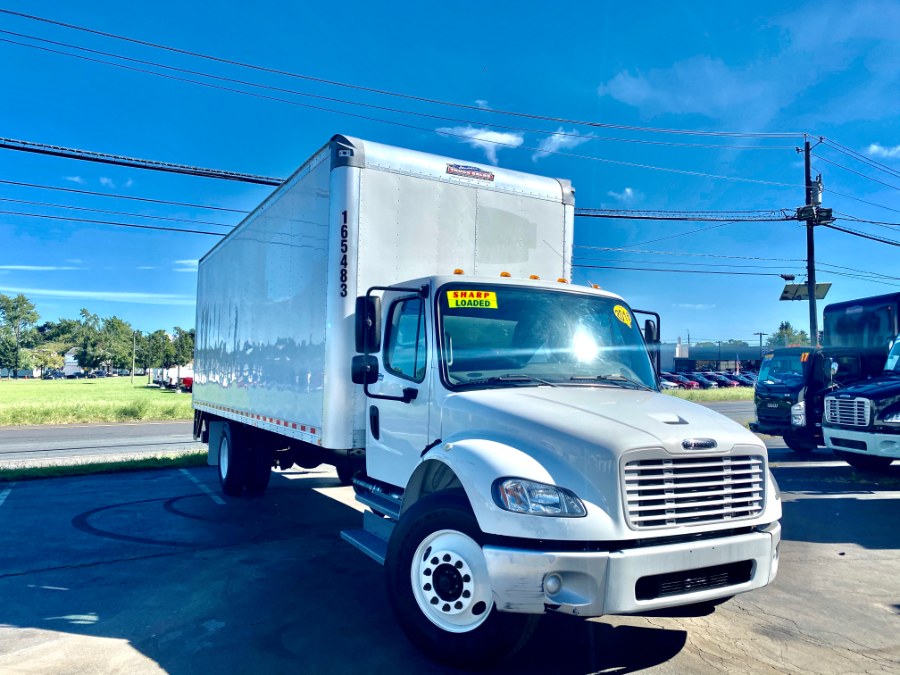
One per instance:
(155,571)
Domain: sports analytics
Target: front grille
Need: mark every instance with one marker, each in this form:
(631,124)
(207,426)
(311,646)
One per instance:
(853,412)
(691,581)
(672,491)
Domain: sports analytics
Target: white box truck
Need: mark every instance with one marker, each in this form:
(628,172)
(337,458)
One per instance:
(407,318)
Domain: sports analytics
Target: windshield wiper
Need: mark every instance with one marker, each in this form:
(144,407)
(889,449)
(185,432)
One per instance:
(618,379)
(503,379)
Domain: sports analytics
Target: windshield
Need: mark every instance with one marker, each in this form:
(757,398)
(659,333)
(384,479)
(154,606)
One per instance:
(784,368)
(512,336)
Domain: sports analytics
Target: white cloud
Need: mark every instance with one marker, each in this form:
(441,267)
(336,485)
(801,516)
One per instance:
(107,296)
(561,140)
(107,182)
(688,305)
(128,183)
(485,140)
(481,103)
(878,150)
(698,85)
(186,266)
(75,179)
(74,261)
(147,267)
(626,196)
(35,268)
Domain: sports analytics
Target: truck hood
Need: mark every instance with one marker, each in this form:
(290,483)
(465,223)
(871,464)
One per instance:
(610,419)
(885,386)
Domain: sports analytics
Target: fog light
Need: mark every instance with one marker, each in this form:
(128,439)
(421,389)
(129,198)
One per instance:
(552,584)
(798,414)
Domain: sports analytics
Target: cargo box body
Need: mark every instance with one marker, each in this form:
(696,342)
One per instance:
(276,297)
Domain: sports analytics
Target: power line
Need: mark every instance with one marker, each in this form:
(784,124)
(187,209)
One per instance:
(863,235)
(863,201)
(108,222)
(121,196)
(651,269)
(688,216)
(112,213)
(857,173)
(870,222)
(648,262)
(384,92)
(559,133)
(424,129)
(119,160)
(859,157)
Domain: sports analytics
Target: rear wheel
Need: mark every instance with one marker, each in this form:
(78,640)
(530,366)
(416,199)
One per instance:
(798,444)
(864,462)
(440,590)
(232,459)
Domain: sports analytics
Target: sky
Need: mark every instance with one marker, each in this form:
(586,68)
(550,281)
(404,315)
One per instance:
(613,97)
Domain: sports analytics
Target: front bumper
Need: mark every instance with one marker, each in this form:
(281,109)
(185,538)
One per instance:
(635,580)
(863,443)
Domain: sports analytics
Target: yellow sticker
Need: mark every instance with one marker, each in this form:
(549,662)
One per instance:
(478,299)
(623,315)
(804,357)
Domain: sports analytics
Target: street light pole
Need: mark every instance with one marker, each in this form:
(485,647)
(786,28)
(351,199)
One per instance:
(760,343)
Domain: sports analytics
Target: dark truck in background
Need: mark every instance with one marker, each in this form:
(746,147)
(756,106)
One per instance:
(862,423)
(792,386)
(793,381)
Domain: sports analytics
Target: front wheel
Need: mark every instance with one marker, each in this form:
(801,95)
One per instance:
(440,590)
(864,462)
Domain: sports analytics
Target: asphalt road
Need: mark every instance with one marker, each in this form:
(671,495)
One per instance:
(36,445)
(156,571)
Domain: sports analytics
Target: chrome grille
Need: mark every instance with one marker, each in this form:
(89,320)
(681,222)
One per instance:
(853,412)
(672,491)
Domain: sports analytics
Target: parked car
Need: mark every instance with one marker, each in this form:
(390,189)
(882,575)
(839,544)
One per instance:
(187,383)
(721,380)
(740,379)
(668,385)
(681,381)
(702,381)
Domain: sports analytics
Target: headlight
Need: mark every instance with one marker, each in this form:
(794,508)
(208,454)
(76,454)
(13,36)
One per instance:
(538,499)
(798,414)
(892,418)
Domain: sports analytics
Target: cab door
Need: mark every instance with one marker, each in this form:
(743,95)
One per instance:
(398,405)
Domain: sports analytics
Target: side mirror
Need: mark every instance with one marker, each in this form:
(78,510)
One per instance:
(651,334)
(364,369)
(368,324)
(834,368)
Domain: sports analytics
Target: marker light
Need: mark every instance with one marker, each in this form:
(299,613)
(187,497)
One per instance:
(563,281)
(458,271)
(533,276)
(505,274)
(597,286)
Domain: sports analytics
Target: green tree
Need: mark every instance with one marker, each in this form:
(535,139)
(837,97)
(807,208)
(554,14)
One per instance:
(19,315)
(161,351)
(91,344)
(47,356)
(786,336)
(117,339)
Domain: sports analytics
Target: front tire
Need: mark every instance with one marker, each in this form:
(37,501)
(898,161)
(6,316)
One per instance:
(864,462)
(232,459)
(440,590)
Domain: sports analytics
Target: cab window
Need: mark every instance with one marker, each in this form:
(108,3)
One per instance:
(405,344)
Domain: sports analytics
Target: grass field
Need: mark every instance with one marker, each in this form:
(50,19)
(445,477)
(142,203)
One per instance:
(112,399)
(183,461)
(706,395)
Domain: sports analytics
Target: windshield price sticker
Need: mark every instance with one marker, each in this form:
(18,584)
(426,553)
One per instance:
(804,357)
(479,299)
(622,314)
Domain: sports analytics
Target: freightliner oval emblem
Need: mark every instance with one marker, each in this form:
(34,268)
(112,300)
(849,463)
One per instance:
(698,444)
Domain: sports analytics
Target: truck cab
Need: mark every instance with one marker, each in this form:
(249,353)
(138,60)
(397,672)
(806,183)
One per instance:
(789,393)
(862,422)
(520,459)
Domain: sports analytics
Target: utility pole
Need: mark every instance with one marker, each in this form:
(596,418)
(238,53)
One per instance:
(810,247)
(133,353)
(760,343)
